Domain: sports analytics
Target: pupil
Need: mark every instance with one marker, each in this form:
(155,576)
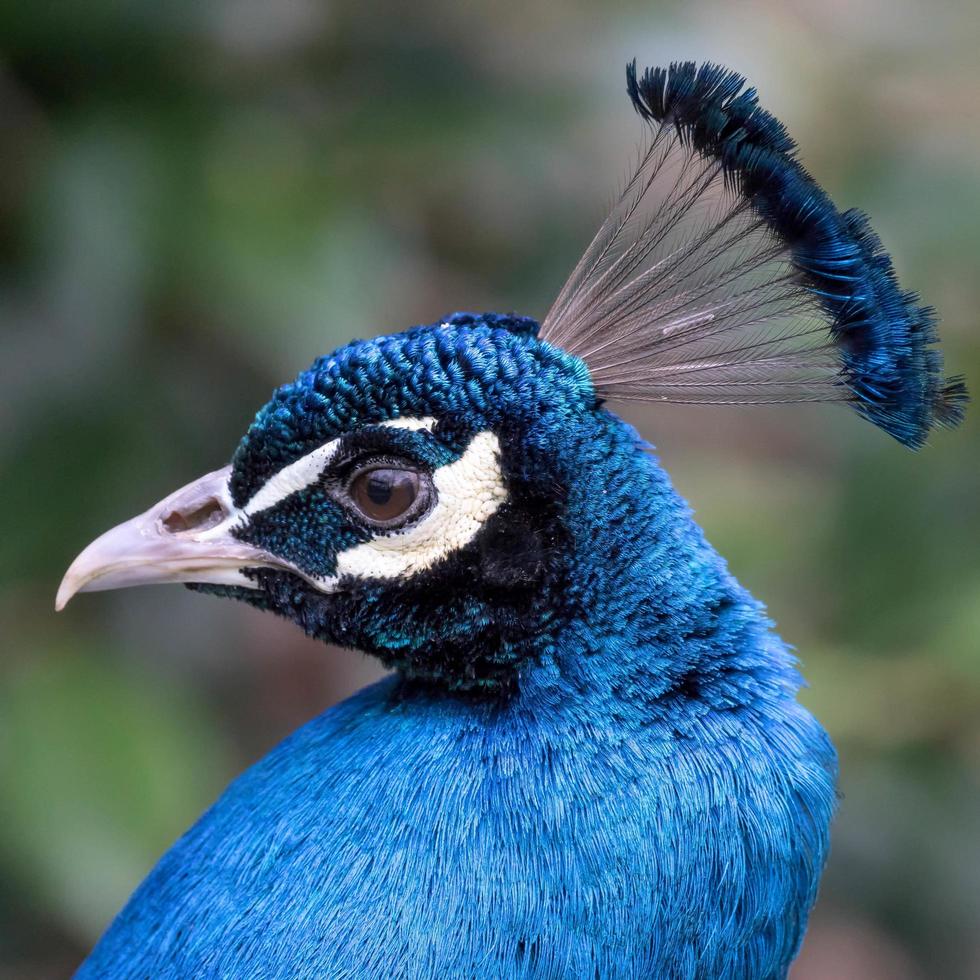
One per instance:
(384,494)
(379,487)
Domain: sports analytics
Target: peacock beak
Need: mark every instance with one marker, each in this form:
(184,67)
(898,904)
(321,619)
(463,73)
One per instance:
(187,537)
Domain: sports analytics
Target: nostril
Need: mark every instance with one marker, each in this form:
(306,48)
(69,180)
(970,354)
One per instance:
(200,518)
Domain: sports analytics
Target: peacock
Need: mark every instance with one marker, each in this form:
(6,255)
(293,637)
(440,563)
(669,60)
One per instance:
(588,759)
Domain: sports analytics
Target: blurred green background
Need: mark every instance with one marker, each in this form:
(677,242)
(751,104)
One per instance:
(197,199)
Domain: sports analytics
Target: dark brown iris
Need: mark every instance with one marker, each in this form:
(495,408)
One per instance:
(384,494)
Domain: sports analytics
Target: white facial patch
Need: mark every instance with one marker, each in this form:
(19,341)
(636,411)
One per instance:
(469,491)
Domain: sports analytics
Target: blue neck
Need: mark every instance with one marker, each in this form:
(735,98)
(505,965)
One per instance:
(652,625)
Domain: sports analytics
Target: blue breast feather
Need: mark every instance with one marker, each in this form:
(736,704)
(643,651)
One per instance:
(652,802)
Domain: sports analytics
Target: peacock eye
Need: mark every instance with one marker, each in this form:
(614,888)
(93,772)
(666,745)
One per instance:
(385,495)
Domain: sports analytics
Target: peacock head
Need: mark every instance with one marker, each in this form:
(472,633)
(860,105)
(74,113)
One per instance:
(452,497)
(405,495)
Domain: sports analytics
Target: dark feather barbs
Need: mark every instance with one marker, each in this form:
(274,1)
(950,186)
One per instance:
(725,274)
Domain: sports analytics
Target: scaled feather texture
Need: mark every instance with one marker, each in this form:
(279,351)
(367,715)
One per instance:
(589,760)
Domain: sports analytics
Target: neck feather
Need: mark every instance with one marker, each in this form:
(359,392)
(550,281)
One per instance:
(640,615)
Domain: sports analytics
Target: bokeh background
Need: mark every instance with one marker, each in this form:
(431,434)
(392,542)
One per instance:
(197,199)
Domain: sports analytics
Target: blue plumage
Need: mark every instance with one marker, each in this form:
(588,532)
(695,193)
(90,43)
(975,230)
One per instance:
(590,761)
(651,801)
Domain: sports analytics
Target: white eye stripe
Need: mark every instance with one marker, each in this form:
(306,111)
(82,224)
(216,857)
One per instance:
(306,470)
(291,479)
(413,425)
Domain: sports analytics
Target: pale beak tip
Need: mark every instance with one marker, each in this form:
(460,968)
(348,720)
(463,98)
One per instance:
(68,588)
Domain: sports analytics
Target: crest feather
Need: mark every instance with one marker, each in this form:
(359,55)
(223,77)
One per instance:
(725,274)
